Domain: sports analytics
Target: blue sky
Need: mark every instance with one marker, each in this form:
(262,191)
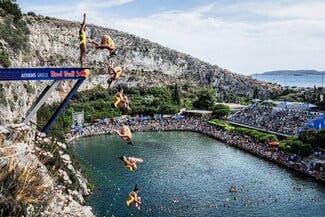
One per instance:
(243,36)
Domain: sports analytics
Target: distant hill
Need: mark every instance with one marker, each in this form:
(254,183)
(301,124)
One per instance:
(291,72)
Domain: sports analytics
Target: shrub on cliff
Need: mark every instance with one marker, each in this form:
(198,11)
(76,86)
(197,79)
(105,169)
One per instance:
(21,188)
(10,7)
(13,29)
(4,59)
(50,154)
(2,95)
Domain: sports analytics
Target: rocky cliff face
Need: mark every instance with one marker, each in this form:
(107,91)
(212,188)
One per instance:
(55,43)
(36,176)
(15,101)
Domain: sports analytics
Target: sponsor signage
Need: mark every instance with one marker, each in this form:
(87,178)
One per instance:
(43,73)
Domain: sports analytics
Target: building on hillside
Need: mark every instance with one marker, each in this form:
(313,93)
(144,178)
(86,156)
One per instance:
(78,118)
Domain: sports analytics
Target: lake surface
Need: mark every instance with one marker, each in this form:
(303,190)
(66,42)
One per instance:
(292,80)
(197,171)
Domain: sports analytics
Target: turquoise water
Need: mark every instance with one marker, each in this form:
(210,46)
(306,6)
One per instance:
(197,171)
(291,80)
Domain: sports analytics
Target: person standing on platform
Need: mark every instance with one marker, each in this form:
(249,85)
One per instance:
(82,43)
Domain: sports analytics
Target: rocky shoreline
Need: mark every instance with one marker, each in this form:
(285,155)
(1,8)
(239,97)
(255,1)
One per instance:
(297,163)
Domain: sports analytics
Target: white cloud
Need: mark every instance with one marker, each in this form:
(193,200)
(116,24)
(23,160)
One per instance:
(304,10)
(74,10)
(294,41)
(244,37)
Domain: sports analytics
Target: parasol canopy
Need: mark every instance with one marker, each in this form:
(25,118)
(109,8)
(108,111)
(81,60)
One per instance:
(274,143)
(255,100)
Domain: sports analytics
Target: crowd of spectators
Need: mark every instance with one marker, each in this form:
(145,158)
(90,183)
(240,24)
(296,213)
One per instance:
(200,125)
(274,119)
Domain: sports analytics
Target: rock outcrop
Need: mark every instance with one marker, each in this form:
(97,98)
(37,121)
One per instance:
(36,176)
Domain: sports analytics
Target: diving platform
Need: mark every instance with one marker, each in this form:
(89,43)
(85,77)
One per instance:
(53,74)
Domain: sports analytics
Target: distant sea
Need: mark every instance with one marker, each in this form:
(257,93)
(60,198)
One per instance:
(293,80)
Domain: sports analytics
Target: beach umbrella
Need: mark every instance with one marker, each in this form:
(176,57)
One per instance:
(268,101)
(274,143)
(255,100)
(76,128)
(309,105)
(284,103)
(142,118)
(180,116)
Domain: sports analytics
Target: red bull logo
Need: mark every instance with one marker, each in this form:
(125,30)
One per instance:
(83,73)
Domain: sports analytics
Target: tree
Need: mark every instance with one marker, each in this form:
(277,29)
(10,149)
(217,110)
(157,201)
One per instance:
(296,146)
(13,29)
(255,92)
(306,149)
(177,94)
(206,99)
(168,109)
(307,134)
(318,139)
(162,93)
(11,8)
(60,126)
(221,110)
